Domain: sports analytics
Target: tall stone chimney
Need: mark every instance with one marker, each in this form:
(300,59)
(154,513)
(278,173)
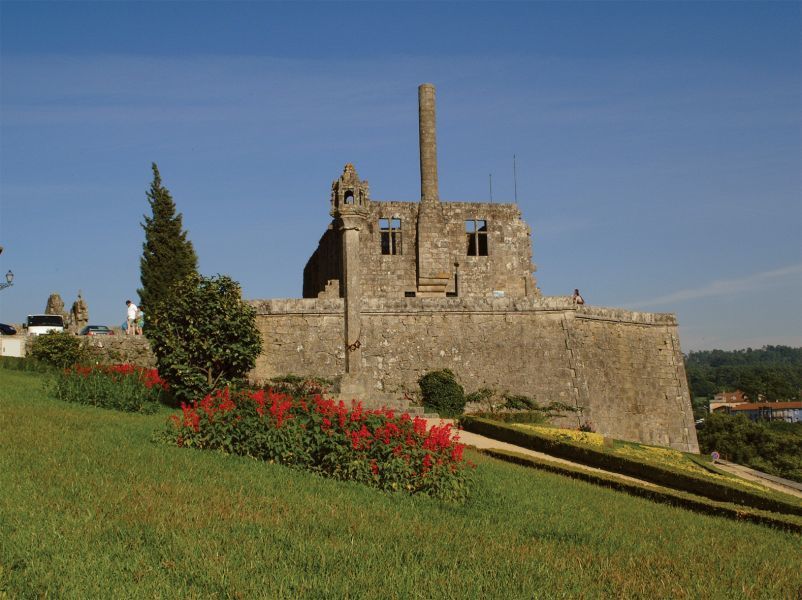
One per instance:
(428,143)
(434,266)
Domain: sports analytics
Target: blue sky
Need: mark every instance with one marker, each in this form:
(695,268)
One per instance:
(659,145)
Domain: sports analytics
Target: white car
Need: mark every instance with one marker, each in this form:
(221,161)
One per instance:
(40,324)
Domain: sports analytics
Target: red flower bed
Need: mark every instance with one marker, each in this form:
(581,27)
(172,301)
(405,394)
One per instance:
(393,452)
(122,387)
(148,377)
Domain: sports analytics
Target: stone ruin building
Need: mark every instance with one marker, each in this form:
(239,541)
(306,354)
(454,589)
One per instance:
(396,289)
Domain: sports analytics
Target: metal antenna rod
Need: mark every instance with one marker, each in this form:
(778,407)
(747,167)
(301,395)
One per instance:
(515,178)
(491,187)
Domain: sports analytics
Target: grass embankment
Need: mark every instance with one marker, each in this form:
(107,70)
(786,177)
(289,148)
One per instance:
(661,466)
(89,507)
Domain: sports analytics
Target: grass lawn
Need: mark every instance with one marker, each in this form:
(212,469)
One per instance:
(89,507)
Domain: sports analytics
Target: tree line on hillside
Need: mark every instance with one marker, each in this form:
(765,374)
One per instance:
(771,373)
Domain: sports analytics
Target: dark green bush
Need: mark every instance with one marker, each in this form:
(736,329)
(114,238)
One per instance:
(205,338)
(60,349)
(442,393)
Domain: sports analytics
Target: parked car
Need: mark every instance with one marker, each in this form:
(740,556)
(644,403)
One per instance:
(96,330)
(7,329)
(40,324)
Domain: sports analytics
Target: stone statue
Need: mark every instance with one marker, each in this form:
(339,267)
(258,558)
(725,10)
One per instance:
(55,305)
(79,315)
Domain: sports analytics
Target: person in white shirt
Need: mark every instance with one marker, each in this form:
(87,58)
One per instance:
(131,316)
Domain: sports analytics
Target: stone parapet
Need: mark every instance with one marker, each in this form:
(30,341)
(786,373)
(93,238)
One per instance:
(471,304)
(294,306)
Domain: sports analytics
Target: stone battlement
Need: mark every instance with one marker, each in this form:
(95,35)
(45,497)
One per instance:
(334,306)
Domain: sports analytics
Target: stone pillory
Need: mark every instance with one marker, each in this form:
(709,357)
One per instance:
(396,289)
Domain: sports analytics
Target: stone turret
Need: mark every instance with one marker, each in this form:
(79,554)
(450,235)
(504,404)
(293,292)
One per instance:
(349,193)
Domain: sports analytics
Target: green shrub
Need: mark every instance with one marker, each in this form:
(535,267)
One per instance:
(519,402)
(376,447)
(515,408)
(661,475)
(60,349)
(529,417)
(442,393)
(205,338)
(120,387)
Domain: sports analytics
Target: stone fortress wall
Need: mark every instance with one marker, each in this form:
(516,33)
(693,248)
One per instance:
(385,302)
(624,369)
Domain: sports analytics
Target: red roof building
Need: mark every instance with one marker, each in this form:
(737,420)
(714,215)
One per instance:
(790,412)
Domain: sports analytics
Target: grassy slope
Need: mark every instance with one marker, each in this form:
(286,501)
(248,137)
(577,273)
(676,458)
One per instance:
(89,507)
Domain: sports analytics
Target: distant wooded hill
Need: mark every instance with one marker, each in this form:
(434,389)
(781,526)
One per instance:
(773,373)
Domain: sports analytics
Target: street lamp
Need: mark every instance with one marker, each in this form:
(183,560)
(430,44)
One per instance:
(9,280)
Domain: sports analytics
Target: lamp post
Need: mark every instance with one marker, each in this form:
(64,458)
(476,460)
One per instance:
(9,281)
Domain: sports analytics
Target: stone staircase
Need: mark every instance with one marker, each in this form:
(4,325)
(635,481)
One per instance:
(359,388)
(430,287)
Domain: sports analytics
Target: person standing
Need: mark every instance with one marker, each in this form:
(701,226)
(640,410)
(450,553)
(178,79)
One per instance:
(140,320)
(131,317)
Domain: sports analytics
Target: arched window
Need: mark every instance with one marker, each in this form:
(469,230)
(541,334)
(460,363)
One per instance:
(349,197)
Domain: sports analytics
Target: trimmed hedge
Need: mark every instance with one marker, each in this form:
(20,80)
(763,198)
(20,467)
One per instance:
(663,495)
(661,475)
(16,363)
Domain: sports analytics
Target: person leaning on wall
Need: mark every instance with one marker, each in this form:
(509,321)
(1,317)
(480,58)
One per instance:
(577,297)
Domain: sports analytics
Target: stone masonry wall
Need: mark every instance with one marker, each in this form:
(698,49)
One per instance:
(388,275)
(302,337)
(623,368)
(114,349)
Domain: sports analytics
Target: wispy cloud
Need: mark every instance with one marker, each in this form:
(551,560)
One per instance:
(723,287)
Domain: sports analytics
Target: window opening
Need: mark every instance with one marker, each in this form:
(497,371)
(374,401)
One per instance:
(390,236)
(476,232)
(349,197)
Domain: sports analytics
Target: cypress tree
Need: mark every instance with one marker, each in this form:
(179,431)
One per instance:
(167,254)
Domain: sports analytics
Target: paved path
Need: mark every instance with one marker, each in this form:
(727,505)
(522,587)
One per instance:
(792,488)
(480,441)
